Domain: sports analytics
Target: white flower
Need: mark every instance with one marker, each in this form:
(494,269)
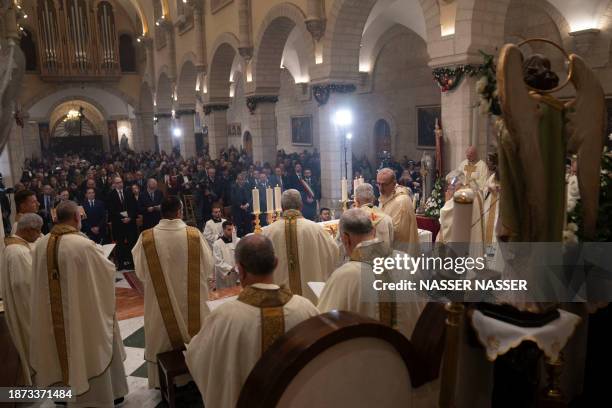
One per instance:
(482,84)
(485,106)
(569,237)
(571,226)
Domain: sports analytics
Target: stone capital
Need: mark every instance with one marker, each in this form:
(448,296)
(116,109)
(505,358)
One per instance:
(316,27)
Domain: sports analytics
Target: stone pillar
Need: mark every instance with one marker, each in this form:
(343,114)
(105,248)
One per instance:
(148,45)
(216,118)
(170,38)
(199,34)
(462,124)
(245,46)
(31,140)
(332,141)
(187,140)
(146,132)
(164,132)
(262,125)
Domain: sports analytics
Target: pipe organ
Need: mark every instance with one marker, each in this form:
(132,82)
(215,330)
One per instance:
(78,40)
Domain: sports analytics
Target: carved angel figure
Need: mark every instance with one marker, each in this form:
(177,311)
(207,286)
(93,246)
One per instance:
(540,131)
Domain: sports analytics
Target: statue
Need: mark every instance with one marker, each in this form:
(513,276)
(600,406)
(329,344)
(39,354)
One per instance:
(540,132)
(439,149)
(427,174)
(12,68)
(123,144)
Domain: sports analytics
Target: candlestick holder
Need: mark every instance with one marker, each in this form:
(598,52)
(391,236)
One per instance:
(257,223)
(344,204)
(278,214)
(270,216)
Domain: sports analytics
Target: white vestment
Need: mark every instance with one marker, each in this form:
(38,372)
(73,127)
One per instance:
(213,230)
(573,192)
(491,210)
(16,279)
(93,342)
(479,175)
(350,288)
(399,207)
(225,275)
(221,356)
(318,254)
(383,224)
(171,245)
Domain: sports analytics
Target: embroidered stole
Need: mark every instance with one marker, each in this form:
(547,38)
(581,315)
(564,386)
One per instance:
(15,241)
(270,302)
(161,289)
(491,217)
(387,308)
(291,244)
(55,296)
(469,169)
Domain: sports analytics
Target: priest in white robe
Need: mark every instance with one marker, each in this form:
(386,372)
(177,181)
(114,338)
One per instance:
(473,168)
(305,251)
(75,339)
(350,287)
(16,277)
(226,275)
(234,336)
(213,228)
(395,201)
(491,209)
(383,224)
(175,264)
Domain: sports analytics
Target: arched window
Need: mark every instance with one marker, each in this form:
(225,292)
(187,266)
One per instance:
(127,53)
(247,143)
(29,50)
(382,136)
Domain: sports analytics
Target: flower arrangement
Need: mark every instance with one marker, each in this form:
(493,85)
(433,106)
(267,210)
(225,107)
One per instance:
(436,200)
(604,216)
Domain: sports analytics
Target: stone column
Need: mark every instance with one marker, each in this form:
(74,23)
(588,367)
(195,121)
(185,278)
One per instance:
(164,132)
(216,118)
(146,132)
(31,140)
(148,46)
(262,124)
(245,46)
(332,141)
(187,140)
(199,34)
(462,124)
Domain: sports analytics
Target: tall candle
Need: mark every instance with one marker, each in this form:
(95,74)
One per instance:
(277,198)
(355,184)
(344,190)
(269,200)
(361,181)
(256,201)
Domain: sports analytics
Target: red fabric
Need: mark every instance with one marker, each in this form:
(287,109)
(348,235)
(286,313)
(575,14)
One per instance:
(429,224)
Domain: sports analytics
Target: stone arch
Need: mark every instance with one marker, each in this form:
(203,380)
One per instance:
(27,105)
(185,90)
(164,96)
(67,99)
(388,36)
(224,51)
(345,25)
(274,32)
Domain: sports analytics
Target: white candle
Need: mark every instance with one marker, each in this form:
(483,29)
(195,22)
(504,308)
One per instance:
(361,181)
(269,200)
(277,198)
(355,184)
(344,189)
(255,201)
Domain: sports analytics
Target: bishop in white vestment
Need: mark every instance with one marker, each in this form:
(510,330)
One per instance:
(383,224)
(350,287)
(213,228)
(75,339)
(234,336)
(305,251)
(395,201)
(474,169)
(16,278)
(174,263)
(223,251)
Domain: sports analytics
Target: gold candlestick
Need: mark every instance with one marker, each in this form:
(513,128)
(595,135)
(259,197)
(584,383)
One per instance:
(270,217)
(257,223)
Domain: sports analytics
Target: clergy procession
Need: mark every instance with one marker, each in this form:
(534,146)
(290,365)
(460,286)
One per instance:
(309,203)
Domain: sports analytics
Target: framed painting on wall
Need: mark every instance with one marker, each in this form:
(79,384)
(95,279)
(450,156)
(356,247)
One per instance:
(426,125)
(234,130)
(301,130)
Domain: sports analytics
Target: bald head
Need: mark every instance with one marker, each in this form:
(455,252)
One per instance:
(255,259)
(29,227)
(364,194)
(471,154)
(386,181)
(355,227)
(291,200)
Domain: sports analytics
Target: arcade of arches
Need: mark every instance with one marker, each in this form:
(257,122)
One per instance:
(235,73)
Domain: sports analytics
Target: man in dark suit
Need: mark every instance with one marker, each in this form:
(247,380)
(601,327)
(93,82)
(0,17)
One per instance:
(94,225)
(278,179)
(310,190)
(122,210)
(241,206)
(149,205)
(293,180)
(47,202)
